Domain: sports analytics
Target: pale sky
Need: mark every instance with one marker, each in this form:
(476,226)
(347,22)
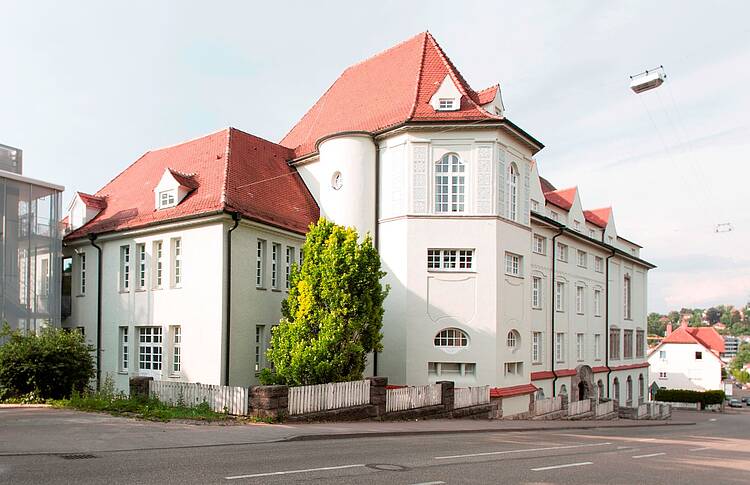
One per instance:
(87,87)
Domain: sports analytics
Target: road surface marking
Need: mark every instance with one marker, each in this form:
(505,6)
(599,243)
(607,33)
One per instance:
(700,449)
(289,472)
(649,455)
(490,453)
(429,483)
(561,466)
(712,419)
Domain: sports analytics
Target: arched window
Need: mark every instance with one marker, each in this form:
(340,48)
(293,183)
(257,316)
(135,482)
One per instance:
(600,389)
(451,337)
(629,391)
(641,389)
(616,389)
(563,390)
(626,297)
(512,181)
(539,394)
(514,339)
(450,187)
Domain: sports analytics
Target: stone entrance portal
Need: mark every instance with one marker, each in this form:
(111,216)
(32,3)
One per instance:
(582,384)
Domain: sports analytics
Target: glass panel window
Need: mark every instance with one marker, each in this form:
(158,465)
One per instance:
(450,189)
(445,103)
(512,192)
(260,347)
(580,349)
(534,205)
(562,252)
(536,292)
(513,264)
(663,354)
(599,264)
(124,351)
(451,337)
(260,258)
(640,343)
(288,265)
(614,343)
(583,259)
(513,368)
(514,339)
(149,349)
(158,264)
(540,244)
(536,347)
(597,346)
(275,250)
(626,298)
(598,303)
(580,299)
(450,259)
(176,349)
(559,347)
(124,268)
(167,198)
(82,273)
(176,262)
(140,251)
(560,296)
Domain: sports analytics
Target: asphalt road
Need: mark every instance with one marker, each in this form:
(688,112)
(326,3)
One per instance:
(716,449)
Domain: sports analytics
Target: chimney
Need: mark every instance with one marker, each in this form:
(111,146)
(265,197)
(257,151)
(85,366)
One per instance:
(684,323)
(669,330)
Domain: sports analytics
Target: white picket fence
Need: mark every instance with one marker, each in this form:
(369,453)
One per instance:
(463,397)
(231,399)
(413,397)
(324,397)
(604,408)
(546,406)
(579,407)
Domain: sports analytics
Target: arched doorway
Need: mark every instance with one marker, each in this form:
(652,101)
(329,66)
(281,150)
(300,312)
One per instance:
(582,384)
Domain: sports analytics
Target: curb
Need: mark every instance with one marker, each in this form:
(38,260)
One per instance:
(376,434)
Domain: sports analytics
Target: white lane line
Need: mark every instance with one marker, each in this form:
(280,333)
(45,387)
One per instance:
(649,455)
(568,465)
(289,472)
(700,449)
(429,483)
(490,453)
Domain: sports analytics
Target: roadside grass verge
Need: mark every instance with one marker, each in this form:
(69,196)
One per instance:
(151,409)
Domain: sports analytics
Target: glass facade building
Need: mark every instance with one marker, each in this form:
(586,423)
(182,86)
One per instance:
(31,252)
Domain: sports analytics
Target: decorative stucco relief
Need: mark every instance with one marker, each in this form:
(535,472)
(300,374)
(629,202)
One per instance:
(420,179)
(484,180)
(501,181)
(526,193)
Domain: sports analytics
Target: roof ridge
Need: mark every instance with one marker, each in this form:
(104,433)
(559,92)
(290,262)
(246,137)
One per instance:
(419,77)
(227,155)
(393,47)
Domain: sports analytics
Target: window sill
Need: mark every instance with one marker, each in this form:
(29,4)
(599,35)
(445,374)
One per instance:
(122,372)
(518,276)
(580,313)
(175,376)
(175,287)
(277,290)
(536,308)
(122,292)
(141,290)
(261,288)
(81,295)
(431,270)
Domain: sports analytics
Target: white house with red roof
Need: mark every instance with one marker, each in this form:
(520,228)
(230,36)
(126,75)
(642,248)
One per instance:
(496,276)
(688,358)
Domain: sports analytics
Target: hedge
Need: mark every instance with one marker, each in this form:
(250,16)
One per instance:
(685,395)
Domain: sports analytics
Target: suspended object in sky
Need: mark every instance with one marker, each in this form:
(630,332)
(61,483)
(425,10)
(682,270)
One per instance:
(724,227)
(647,80)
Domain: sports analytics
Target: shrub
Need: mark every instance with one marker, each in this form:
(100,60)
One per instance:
(685,395)
(50,365)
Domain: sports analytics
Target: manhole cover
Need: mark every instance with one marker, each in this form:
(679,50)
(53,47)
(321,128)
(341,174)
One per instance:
(77,456)
(387,467)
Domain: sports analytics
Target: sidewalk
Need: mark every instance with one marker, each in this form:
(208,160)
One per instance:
(26,430)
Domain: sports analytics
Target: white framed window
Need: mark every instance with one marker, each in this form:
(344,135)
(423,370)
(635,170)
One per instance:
(513,339)
(513,368)
(626,298)
(446,103)
(275,250)
(439,369)
(124,350)
(536,292)
(81,273)
(176,262)
(611,240)
(598,303)
(451,337)
(176,334)
(599,264)
(260,259)
(124,268)
(597,346)
(663,355)
(562,252)
(580,300)
(450,259)
(288,265)
(583,259)
(662,375)
(640,343)
(450,187)
(167,198)
(554,215)
(536,347)
(149,349)
(260,347)
(577,225)
(560,347)
(560,296)
(158,264)
(539,244)
(534,205)
(627,344)
(614,343)
(580,346)
(301,256)
(592,233)
(140,253)
(512,192)
(513,264)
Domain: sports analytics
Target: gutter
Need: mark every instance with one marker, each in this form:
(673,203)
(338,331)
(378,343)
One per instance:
(553,308)
(606,318)
(227,341)
(377,232)
(92,238)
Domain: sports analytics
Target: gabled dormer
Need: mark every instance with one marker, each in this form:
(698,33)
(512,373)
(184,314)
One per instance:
(83,208)
(172,188)
(536,194)
(447,97)
(576,218)
(491,100)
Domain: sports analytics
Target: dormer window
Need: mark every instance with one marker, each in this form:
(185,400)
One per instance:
(166,198)
(446,103)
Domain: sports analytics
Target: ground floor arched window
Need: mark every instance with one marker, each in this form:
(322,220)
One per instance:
(641,389)
(616,389)
(600,390)
(629,392)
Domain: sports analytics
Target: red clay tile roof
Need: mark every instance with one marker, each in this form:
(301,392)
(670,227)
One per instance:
(546,185)
(542,374)
(706,336)
(97,202)
(184,179)
(385,90)
(487,95)
(512,391)
(233,171)
(562,198)
(599,217)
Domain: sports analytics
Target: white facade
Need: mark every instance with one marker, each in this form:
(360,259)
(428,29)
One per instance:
(685,366)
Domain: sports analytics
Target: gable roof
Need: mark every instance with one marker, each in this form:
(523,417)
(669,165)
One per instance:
(231,171)
(487,95)
(705,336)
(562,198)
(184,179)
(598,217)
(95,202)
(390,88)
(546,185)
